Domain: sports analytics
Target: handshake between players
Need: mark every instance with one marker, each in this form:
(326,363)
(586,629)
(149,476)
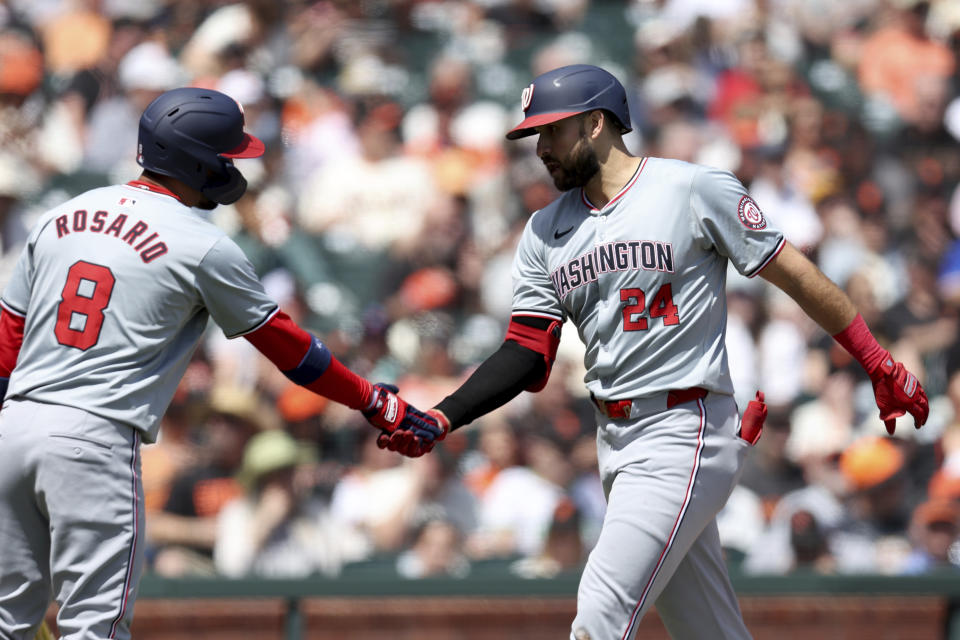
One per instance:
(405,429)
(412,432)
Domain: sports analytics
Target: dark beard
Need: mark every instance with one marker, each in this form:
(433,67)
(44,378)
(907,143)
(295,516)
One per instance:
(580,166)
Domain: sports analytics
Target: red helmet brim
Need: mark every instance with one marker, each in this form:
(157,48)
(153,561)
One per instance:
(250,147)
(527,127)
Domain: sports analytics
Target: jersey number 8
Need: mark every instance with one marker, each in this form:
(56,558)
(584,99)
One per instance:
(80,312)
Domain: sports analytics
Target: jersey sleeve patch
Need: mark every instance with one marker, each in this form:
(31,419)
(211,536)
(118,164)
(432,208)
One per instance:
(750,214)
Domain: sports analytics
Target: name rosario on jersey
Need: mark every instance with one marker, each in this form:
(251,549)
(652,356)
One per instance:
(148,247)
(635,255)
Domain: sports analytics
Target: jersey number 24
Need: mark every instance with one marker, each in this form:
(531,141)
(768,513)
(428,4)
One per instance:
(661,306)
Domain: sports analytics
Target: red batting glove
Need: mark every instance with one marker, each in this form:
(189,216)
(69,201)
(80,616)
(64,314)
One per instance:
(897,392)
(751,425)
(418,435)
(386,409)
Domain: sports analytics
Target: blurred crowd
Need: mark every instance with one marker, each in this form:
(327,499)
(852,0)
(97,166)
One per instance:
(384,217)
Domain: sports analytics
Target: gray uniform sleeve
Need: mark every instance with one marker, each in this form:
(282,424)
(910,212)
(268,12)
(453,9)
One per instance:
(727,220)
(533,291)
(231,290)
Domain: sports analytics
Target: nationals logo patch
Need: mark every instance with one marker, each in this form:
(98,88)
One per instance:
(526,97)
(750,214)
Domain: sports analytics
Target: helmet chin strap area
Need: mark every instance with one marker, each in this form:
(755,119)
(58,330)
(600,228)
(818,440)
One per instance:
(227,190)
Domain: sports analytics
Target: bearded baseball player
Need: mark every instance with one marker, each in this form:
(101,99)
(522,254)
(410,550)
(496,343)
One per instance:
(106,305)
(634,253)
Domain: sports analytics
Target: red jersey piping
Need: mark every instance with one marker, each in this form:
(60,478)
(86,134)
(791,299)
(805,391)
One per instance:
(620,194)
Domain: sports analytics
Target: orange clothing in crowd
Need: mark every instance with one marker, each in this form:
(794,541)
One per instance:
(891,61)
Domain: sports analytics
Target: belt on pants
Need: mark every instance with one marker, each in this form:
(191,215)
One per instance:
(621,409)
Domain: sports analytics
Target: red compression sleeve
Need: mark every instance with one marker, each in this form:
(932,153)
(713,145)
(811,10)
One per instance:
(344,386)
(861,344)
(542,340)
(11,337)
(305,360)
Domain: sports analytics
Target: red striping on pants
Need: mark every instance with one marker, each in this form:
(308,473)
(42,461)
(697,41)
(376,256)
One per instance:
(676,523)
(133,543)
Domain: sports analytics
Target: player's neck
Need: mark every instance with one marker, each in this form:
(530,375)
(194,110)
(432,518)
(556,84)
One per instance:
(185,194)
(614,174)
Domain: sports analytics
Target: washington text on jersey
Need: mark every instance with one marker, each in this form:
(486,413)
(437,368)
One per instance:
(635,255)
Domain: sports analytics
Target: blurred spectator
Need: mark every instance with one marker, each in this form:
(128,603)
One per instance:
(872,536)
(446,496)
(355,202)
(278,528)
(436,552)
(174,452)
(498,449)
(517,507)
(782,349)
(557,413)
(18,180)
(586,489)
(740,523)
(21,107)
(753,98)
(75,38)
(788,208)
(900,55)
(742,321)
(563,549)
(920,316)
(110,140)
(934,529)
(821,495)
(811,548)
(376,500)
(769,472)
(183,534)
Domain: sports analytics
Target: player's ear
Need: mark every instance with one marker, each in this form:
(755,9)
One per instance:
(594,122)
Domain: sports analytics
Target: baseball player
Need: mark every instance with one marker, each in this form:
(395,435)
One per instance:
(105,307)
(634,253)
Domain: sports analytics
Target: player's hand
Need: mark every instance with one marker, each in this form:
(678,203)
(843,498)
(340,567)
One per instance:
(897,392)
(418,435)
(386,409)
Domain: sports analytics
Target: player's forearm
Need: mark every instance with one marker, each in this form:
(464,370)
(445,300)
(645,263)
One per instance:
(307,361)
(499,379)
(826,304)
(817,295)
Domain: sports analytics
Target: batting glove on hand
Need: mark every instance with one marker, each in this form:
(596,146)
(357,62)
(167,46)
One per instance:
(897,392)
(386,409)
(418,435)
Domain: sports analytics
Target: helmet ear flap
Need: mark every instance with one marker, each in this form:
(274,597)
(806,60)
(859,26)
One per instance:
(227,190)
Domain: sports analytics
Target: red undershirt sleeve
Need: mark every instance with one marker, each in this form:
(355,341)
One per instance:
(305,360)
(11,338)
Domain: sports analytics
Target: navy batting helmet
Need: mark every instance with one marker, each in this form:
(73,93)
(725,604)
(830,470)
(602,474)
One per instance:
(193,135)
(567,91)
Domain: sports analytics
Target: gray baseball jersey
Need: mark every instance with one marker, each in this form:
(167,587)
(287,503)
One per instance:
(643,278)
(117,286)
